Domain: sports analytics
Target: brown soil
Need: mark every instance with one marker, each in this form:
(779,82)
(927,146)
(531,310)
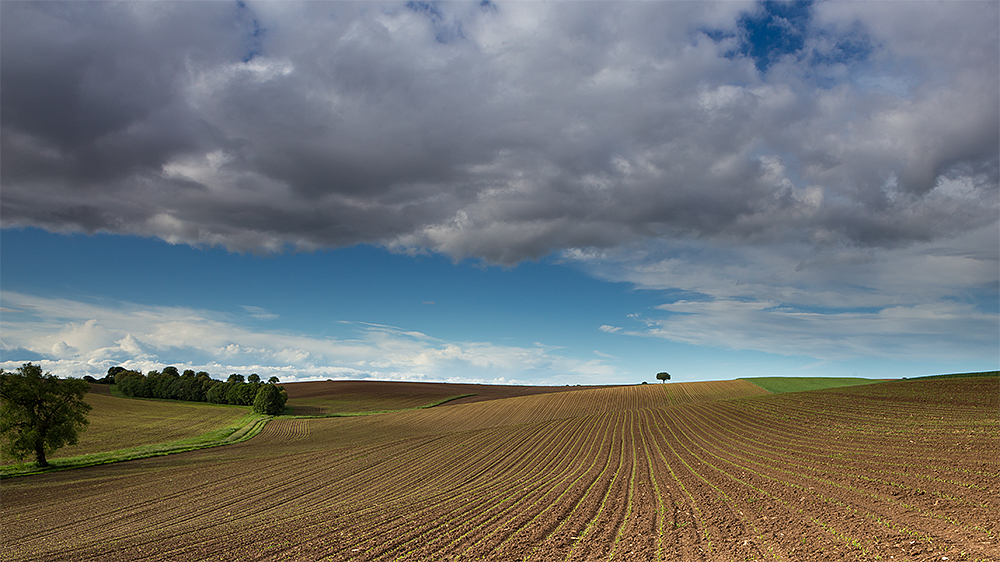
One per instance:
(104,389)
(481,392)
(335,397)
(902,470)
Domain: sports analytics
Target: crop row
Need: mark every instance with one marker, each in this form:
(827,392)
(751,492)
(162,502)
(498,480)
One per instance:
(603,474)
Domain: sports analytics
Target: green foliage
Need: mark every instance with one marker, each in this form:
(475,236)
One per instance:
(132,383)
(270,400)
(191,386)
(40,413)
(112,373)
(216,394)
(663,376)
(241,394)
(778,385)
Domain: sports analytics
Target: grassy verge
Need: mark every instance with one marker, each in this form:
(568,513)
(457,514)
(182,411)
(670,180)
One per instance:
(779,385)
(240,430)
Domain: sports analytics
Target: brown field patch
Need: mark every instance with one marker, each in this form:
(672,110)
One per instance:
(321,398)
(903,470)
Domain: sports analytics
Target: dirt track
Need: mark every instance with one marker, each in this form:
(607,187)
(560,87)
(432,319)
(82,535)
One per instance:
(904,470)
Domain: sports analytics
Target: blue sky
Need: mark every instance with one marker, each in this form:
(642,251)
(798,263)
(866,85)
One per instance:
(531,193)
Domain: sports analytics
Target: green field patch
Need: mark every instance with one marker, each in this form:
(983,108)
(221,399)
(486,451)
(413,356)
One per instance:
(131,428)
(121,423)
(239,430)
(779,385)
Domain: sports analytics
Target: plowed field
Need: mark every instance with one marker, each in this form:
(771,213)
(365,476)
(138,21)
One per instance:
(902,470)
(323,398)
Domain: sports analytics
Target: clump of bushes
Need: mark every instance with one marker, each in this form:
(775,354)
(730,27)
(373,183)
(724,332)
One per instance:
(169,384)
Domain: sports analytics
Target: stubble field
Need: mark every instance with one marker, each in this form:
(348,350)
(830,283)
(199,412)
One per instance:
(901,470)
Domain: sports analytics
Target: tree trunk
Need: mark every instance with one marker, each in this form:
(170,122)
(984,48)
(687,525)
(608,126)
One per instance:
(40,454)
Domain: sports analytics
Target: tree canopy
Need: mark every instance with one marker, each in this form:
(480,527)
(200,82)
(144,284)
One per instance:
(663,376)
(269,400)
(40,413)
(198,387)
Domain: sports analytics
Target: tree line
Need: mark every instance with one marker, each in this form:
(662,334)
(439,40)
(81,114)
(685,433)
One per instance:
(40,413)
(170,384)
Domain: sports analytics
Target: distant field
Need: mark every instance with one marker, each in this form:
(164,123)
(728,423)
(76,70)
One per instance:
(777,385)
(976,374)
(324,398)
(121,423)
(902,470)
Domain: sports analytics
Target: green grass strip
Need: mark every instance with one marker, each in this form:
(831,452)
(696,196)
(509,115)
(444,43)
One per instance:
(242,429)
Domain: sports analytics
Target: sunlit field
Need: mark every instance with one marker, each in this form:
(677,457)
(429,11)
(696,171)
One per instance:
(899,470)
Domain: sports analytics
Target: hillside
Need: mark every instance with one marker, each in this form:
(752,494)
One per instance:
(901,470)
(121,423)
(778,385)
(346,397)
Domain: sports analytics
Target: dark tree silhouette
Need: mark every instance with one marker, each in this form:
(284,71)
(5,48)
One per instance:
(40,413)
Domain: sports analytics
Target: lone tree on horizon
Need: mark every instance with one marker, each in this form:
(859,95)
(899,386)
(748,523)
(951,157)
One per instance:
(40,413)
(663,376)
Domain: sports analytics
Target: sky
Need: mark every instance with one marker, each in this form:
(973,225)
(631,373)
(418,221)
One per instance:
(501,192)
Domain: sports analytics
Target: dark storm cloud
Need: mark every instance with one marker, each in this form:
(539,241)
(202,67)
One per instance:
(501,131)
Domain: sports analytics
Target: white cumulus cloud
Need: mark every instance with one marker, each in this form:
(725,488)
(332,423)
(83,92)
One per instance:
(145,338)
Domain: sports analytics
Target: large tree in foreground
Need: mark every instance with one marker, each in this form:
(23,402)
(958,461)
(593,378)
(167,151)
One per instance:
(40,413)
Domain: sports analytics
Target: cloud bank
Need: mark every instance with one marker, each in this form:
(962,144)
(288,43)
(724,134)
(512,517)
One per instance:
(933,301)
(500,131)
(75,338)
(791,165)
